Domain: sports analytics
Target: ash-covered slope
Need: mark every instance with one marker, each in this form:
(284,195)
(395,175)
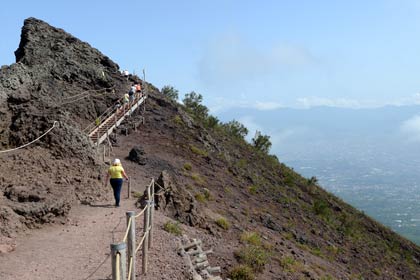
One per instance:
(267,217)
(59,78)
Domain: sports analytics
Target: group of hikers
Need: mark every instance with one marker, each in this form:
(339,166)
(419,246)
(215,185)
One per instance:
(116,173)
(129,97)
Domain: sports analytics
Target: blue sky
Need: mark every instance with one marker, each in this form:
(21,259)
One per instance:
(259,54)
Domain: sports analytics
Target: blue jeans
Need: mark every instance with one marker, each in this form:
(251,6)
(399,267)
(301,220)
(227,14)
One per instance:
(116,186)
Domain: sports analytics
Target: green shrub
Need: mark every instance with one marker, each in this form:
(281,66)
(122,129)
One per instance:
(187,166)
(207,194)
(261,142)
(321,208)
(137,194)
(241,272)
(200,197)
(198,151)
(198,179)
(173,228)
(223,223)
(290,264)
(235,129)
(170,92)
(253,189)
(242,163)
(177,120)
(250,237)
(312,181)
(192,102)
(255,257)
(211,122)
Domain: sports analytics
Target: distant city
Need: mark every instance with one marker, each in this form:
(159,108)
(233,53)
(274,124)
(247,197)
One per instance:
(370,158)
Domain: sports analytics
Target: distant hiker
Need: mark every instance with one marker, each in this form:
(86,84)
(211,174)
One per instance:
(117,106)
(131,93)
(116,172)
(125,100)
(138,87)
(125,73)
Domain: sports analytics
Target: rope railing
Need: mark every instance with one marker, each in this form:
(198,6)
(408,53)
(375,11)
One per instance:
(83,94)
(33,141)
(129,241)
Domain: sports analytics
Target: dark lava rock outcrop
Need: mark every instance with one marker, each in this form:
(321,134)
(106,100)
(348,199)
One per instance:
(56,79)
(137,155)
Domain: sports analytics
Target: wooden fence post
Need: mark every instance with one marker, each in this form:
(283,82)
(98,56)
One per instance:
(131,243)
(152,209)
(129,188)
(121,267)
(104,154)
(146,238)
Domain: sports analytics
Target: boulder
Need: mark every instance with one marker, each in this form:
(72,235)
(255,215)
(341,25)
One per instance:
(175,201)
(137,155)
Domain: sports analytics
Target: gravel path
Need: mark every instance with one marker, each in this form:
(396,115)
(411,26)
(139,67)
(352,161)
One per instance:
(80,249)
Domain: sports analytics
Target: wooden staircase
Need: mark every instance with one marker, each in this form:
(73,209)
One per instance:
(104,125)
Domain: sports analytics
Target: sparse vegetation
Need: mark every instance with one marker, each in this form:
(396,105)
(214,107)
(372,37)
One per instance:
(241,272)
(198,151)
(207,194)
(187,166)
(192,102)
(288,263)
(223,223)
(136,194)
(177,120)
(321,208)
(198,179)
(173,228)
(253,189)
(211,122)
(200,197)
(250,237)
(235,129)
(261,142)
(170,92)
(255,257)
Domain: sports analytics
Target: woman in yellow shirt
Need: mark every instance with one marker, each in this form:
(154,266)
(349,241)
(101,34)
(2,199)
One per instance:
(116,172)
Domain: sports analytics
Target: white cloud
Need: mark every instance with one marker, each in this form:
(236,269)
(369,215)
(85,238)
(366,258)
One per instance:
(313,101)
(231,59)
(221,104)
(411,128)
(266,106)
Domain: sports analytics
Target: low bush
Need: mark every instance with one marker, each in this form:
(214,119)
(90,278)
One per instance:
(241,272)
(198,151)
(223,223)
(173,228)
(250,237)
(187,166)
(255,257)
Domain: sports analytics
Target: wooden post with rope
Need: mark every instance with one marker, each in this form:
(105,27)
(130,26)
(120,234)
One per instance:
(131,242)
(151,210)
(128,188)
(118,261)
(146,234)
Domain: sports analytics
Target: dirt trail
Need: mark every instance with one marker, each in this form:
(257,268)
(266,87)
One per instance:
(80,249)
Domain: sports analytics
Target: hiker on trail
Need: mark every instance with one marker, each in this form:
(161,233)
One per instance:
(116,172)
(125,73)
(125,101)
(131,93)
(117,106)
(138,87)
